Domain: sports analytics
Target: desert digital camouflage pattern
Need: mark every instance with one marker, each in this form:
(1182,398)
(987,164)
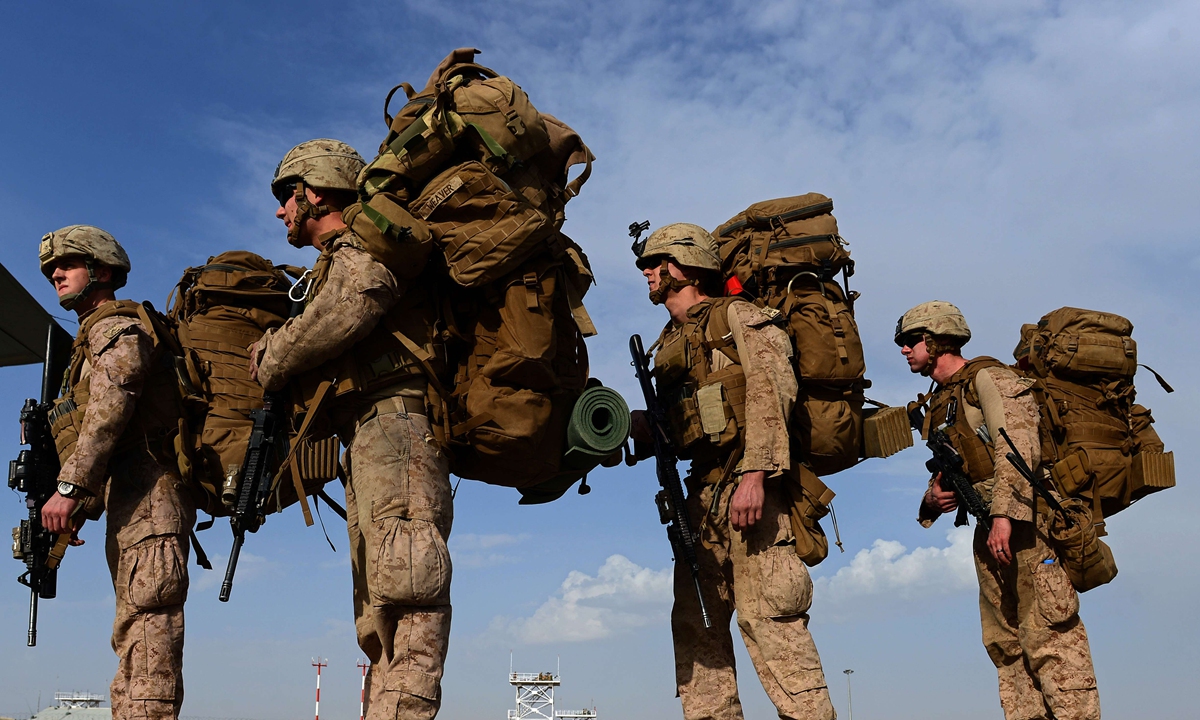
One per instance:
(398,491)
(399,515)
(687,244)
(82,241)
(1028,609)
(349,297)
(757,571)
(149,516)
(935,317)
(320,163)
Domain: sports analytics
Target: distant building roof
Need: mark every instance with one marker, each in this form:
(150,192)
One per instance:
(74,713)
(76,706)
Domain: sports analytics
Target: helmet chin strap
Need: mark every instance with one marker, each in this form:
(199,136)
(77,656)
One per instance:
(304,211)
(668,282)
(71,300)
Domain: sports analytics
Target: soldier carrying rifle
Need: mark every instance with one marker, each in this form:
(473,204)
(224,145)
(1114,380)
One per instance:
(113,428)
(723,374)
(1027,605)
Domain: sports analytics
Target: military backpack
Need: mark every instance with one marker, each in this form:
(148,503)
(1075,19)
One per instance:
(1099,444)
(471,162)
(787,254)
(217,311)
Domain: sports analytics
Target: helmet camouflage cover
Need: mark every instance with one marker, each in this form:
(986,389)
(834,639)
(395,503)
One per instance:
(321,163)
(937,318)
(685,243)
(94,247)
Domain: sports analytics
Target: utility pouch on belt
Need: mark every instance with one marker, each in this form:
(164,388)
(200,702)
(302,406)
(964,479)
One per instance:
(810,502)
(1086,558)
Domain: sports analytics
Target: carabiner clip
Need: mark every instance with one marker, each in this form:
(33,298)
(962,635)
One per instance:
(304,293)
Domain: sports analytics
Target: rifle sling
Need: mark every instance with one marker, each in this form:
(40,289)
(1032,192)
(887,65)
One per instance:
(291,463)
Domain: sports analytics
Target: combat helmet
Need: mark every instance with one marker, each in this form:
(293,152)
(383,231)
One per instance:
(932,320)
(687,244)
(94,247)
(323,163)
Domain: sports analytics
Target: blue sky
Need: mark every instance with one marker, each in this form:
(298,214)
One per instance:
(1011,157)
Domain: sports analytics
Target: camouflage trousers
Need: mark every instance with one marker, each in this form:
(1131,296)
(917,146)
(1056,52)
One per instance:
(1032,631)
(149,516)
(399,513)
(757,573)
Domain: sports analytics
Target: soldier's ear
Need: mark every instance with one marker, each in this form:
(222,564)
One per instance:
(103,273)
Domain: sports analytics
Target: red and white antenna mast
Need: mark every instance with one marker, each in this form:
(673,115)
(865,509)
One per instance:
(363,665)
(319,663)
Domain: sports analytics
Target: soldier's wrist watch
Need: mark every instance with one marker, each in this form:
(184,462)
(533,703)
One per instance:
(68,490)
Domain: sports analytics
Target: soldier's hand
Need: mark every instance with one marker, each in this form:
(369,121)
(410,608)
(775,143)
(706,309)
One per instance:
(639,427)
(936,498)
(998,540)
(745,508)
(256,354)
(57,512)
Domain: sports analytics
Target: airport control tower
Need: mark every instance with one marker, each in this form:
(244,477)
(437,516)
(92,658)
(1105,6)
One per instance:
(535,698)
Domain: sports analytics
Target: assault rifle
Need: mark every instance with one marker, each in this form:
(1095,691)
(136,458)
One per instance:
(1022,467)
(949,463)
(267,444)
(255,486)
(35,473)
(672,508)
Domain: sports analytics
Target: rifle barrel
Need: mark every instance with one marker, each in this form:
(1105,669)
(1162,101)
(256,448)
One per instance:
(31,639)
(231,568)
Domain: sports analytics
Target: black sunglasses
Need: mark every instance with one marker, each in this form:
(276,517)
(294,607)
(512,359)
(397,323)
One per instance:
(910,340)
(284,192)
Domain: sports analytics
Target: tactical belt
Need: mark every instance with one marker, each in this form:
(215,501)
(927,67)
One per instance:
(403,405)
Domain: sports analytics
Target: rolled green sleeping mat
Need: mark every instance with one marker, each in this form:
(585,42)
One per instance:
(598,427)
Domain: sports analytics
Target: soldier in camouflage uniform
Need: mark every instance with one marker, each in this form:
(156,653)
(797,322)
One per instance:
(1029,610)
(723,370)
(112,428)
(398,499)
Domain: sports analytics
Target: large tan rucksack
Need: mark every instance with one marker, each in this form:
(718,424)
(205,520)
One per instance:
(471,162)
(218,310)
(1100,445)
(787,254)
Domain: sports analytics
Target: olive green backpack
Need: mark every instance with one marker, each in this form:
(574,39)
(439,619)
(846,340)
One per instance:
(469,161)
(787,254)
(1100,445)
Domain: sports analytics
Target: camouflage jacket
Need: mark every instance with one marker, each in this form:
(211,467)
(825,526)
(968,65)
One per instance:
(745,351)
(351,294)
(118,396)
(995,398)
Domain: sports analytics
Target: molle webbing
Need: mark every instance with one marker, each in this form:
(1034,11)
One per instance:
(702,403)
(952,398)
(157,413)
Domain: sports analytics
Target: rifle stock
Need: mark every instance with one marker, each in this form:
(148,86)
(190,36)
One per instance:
(671,502)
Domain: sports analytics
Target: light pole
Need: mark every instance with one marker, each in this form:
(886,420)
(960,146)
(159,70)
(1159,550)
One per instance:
(849,699)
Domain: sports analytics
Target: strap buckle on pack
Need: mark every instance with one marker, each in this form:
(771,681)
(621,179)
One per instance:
(514,122)
(532,287)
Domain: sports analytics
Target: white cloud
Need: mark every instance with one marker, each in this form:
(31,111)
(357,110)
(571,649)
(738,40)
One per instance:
(621,596)
(887,573)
